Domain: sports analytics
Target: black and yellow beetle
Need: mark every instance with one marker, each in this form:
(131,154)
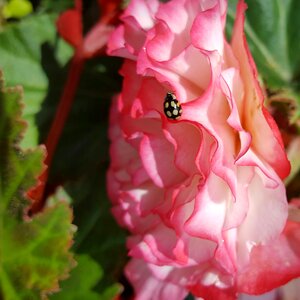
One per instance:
(172,107)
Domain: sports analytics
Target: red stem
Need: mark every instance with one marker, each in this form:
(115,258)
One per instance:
(64,105)
(38,193)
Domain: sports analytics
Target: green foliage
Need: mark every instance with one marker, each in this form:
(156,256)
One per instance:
(274,39)
(34,252)
(23,60)
(82,279)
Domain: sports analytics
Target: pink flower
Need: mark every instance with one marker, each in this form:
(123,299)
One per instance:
(202,195)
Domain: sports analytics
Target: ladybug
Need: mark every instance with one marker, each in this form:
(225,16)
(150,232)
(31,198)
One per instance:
(172,107)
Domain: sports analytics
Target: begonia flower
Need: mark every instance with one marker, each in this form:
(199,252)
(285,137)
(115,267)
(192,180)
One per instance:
(200,191)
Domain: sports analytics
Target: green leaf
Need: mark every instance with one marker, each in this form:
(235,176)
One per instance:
(18,169)
(81,281)
(23,61)
(85,275)
(274,39)
(34,252)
